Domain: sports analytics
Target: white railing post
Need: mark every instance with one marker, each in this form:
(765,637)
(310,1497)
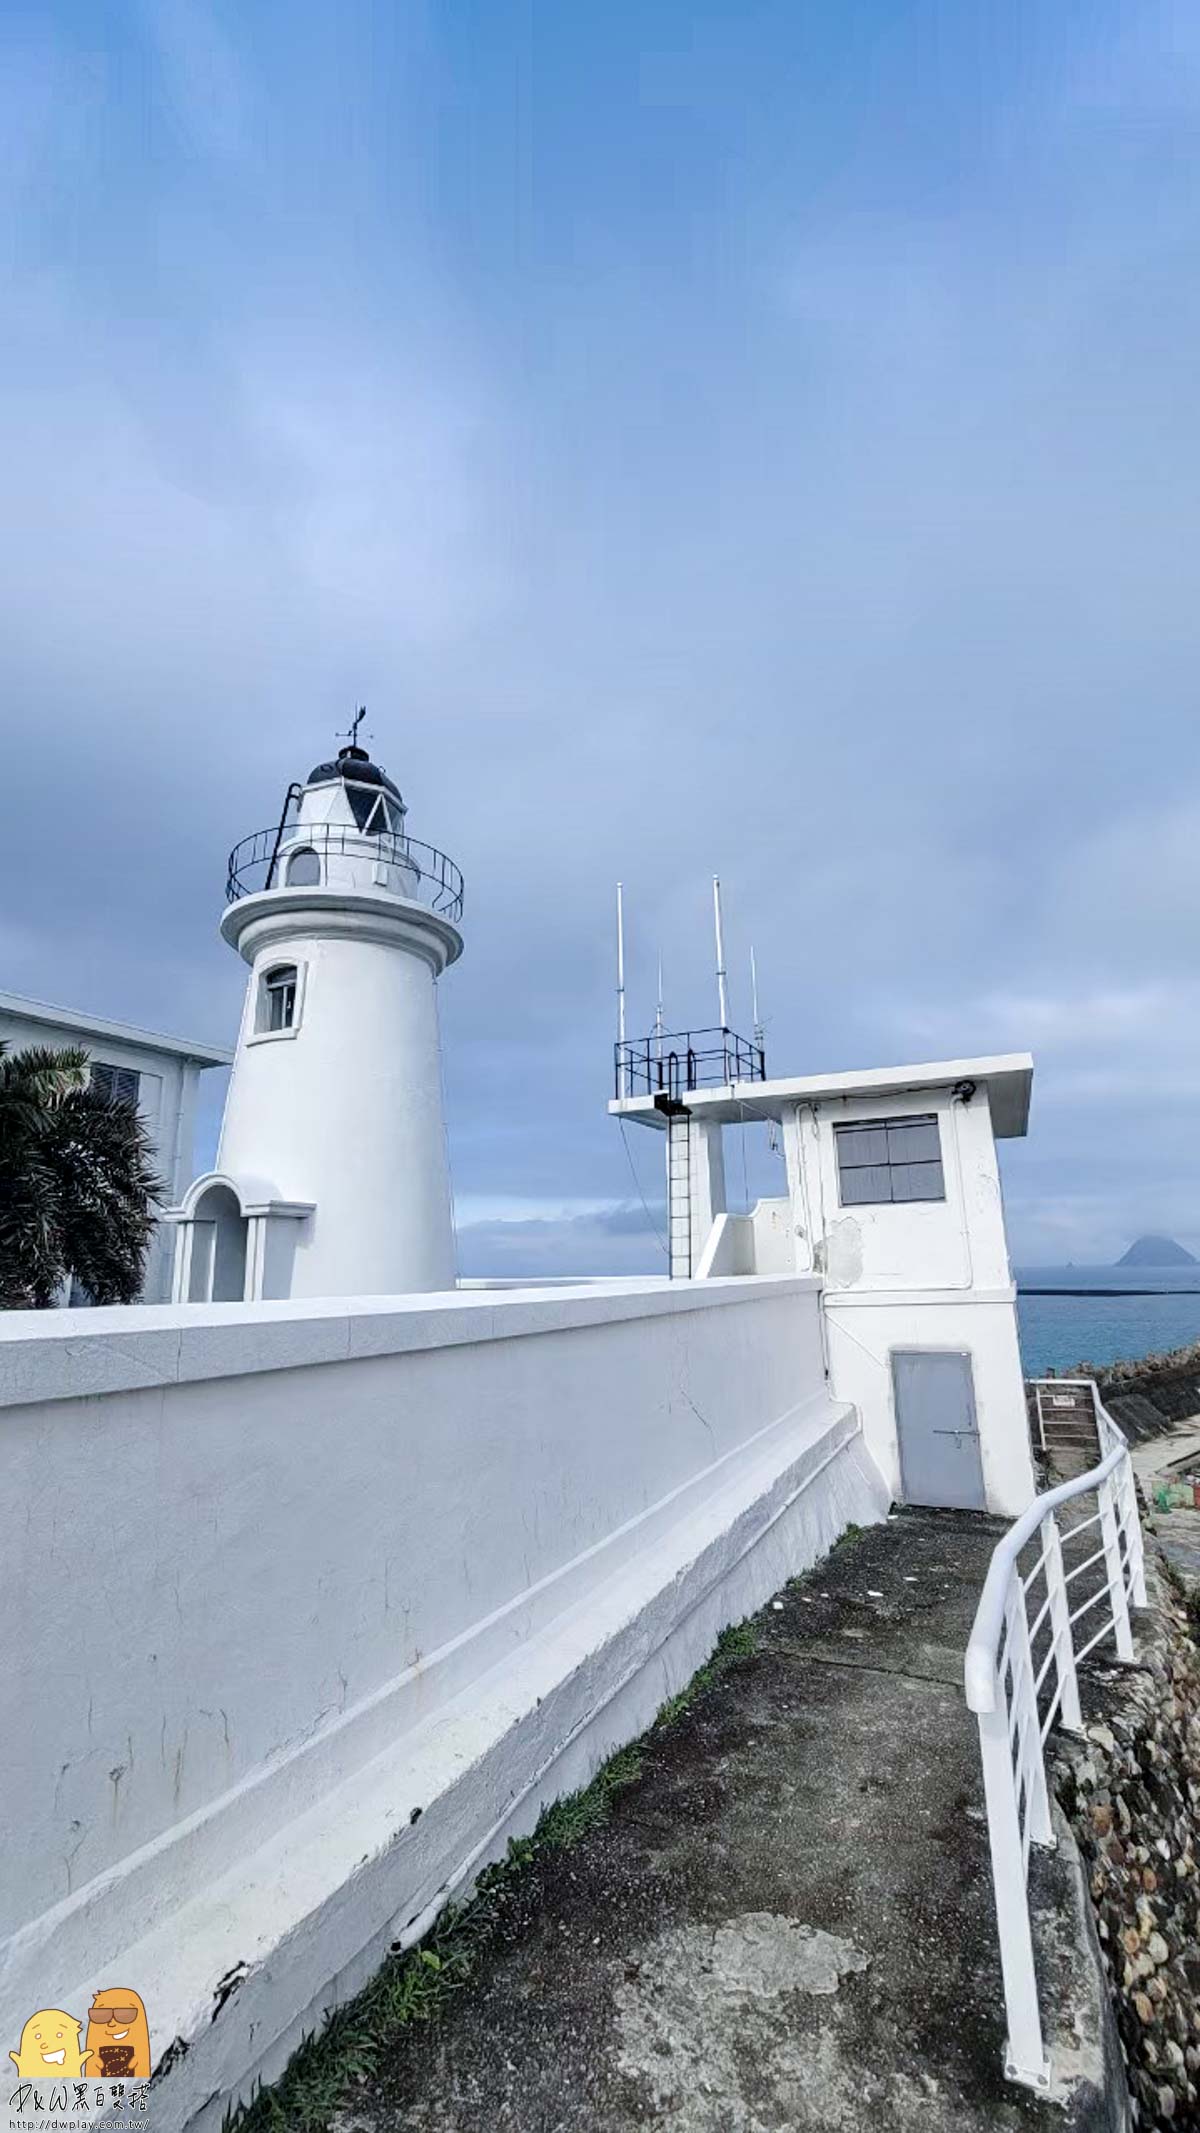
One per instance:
(1131,1521)
(1060,1626)
(1025,2056)
(1112,1563)
(1137,1551)
(1028,1729)
(999,1654)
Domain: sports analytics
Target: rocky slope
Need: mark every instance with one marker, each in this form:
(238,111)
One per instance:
(1131,1788)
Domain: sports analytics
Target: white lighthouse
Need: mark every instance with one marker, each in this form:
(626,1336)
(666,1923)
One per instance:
(331,1176)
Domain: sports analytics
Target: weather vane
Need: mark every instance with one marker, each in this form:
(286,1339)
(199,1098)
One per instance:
(355,723)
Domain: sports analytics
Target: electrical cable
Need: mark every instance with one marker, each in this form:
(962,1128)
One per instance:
(659,1239)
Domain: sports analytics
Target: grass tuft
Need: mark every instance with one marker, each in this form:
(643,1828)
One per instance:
(739,1641)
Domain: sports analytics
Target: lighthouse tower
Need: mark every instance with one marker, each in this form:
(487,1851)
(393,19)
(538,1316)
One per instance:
(331,1175)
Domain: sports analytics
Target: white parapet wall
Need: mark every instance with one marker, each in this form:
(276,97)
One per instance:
(309,1607)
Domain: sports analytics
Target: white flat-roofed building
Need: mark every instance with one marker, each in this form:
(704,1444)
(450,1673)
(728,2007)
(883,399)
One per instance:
(160,1073)
(894,1200)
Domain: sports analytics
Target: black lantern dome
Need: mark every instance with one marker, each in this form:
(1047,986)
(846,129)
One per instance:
(365,782)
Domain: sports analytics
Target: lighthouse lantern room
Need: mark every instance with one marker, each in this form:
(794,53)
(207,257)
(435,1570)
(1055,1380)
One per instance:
(331,1176)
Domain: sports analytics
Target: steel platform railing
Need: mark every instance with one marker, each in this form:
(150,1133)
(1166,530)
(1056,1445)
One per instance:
(670,1063)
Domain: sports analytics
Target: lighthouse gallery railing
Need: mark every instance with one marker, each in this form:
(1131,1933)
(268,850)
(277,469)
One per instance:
(259,860)
(1032,1628)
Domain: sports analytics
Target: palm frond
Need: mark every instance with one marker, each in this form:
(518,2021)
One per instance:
(47,1073)
(77,1184)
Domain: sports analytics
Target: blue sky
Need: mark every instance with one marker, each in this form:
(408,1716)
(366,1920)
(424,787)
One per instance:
(753,437)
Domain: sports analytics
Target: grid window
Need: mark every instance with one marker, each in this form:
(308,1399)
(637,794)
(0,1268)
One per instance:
(889,1160)
(117,1085)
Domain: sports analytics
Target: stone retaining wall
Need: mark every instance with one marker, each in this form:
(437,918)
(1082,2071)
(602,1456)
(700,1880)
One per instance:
(1131,1790)
(1153,1395)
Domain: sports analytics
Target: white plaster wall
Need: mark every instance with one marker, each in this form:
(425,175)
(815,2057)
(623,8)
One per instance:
(350,862)
(927,1275)
(862,1335)
(730,1248)
(954,1244)
(346,1111)
(774,1244)
(286,1573)
(706,1166)
(759,1242)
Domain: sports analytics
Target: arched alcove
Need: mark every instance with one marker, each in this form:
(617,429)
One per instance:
(218,1271)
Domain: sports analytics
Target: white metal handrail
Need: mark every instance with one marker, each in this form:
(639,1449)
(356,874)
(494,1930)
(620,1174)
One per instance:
(1032,1627)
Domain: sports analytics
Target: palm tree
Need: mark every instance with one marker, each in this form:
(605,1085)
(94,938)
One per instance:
(77,1186)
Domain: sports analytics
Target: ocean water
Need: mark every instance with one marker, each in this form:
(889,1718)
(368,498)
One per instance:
(1060,1329)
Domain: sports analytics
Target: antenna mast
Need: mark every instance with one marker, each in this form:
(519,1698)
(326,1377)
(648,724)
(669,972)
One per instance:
(758,1028)
(772,1126)
(722,999)
(658,1015)
(622,1062)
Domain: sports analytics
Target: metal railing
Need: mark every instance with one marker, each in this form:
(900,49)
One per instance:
(1064,1412)
(258,862)
(668,1063)
(1055,1589)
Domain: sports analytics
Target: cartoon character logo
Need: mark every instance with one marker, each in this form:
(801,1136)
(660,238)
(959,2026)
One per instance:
(50,2045)
(118,2036)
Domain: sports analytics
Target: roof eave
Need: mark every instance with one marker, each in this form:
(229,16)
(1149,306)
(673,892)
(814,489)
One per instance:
(84,1025)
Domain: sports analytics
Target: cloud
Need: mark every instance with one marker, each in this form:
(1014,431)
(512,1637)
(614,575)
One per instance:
(206,91)
(617,1240)
(738,480)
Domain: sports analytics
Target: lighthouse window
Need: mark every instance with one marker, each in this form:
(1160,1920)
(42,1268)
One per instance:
(373,811)
(303,869)
(279,997)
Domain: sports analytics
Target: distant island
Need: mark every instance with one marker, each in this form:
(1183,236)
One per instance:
(1157,1251)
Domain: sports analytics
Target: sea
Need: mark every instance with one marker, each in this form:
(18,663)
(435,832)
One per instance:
(1104,1314)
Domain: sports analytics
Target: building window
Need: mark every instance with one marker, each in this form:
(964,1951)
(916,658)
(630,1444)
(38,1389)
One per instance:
(304,869)
(277,1001)
(889,1159)
(117,1085)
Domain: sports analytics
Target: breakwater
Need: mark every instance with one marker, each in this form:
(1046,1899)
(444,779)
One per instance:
(1154,1394)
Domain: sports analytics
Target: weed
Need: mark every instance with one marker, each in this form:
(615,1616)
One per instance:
(739,1641)
(565,1821)
(416,1984)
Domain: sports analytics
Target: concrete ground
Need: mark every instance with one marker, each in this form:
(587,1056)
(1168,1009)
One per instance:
(1164,1458)
(787,1923)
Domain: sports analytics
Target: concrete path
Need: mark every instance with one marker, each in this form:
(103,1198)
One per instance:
(787,1923)
(1165,1458)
